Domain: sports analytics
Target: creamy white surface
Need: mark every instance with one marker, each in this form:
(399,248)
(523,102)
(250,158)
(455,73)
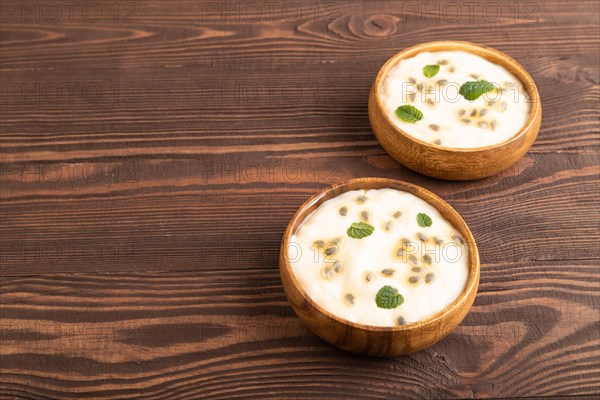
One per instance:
(396,88)
(375,253)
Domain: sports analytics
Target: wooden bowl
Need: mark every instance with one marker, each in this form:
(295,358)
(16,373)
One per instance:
(376,340)
(447,162)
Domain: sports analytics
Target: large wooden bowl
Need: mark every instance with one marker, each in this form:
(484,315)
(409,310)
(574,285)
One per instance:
(374,340)
(445,162)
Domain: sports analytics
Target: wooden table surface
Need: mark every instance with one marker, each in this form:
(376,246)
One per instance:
(152,153)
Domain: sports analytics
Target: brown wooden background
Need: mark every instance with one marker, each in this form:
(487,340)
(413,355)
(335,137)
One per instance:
(152,153)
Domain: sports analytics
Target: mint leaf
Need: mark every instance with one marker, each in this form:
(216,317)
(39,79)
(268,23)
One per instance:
(474,89)
(388,297)
(431,70)
(424,220)
(359,230)
(409,114)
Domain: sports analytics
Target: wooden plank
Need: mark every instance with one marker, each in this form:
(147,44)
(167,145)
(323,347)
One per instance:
(229,213)
(99,88)
(150,160)
(231,334)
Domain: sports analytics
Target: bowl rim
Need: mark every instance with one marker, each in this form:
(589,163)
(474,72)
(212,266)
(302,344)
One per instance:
(532,89)
(321,196)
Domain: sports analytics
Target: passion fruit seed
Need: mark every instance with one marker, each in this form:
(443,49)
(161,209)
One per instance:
(344,211)
(434,127)
(422,237)
(349,297)
(412,259)
(438,142)
(429,277)
(361,199)
(365,215)
(458,239)
(414,279)
(397,214)
(401,321)
(327,272)
(388,272)
(417,269)
(337,267)
(427,259)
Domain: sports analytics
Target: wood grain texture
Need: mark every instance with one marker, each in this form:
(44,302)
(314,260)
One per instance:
(151,160)
(232,334)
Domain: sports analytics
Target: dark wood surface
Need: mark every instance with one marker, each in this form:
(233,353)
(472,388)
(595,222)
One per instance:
(152,157)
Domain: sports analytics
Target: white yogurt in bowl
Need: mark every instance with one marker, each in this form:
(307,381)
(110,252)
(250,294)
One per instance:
(431,82)
(380,257)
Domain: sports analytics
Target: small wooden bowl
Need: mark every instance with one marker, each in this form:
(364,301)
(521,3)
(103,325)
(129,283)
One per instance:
(454,163)
(375,340)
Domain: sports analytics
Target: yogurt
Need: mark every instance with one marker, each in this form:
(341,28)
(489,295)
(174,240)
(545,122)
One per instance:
(412,265)
(448,118)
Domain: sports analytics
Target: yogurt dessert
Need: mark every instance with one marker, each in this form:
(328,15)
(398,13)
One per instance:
(455,99)
(381,257)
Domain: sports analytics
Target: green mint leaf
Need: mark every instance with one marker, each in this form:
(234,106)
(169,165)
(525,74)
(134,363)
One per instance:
(474,89)
(424,220)
(431,70)
(359,230)
(409,114)
(388,297)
